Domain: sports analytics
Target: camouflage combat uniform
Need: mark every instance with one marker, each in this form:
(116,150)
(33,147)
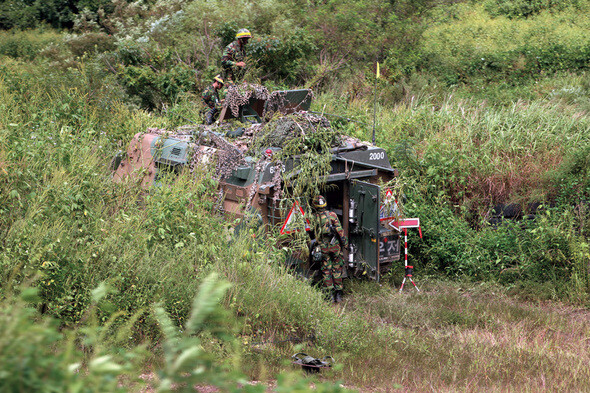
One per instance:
(332,257)
(232,54)
(210,98)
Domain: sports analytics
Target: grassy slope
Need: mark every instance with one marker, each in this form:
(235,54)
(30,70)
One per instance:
(452,337)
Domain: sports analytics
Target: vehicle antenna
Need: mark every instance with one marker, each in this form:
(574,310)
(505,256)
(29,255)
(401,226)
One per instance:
(375,100)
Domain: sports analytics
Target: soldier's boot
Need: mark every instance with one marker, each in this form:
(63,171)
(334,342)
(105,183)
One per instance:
(338,296)
(333,297)
(211,116)
(329,295)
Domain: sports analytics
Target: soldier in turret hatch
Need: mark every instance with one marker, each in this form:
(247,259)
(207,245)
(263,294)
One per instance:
(211,100)
(332,242)
(232,61)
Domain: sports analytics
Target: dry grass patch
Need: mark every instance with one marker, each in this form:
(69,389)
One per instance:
(449,338)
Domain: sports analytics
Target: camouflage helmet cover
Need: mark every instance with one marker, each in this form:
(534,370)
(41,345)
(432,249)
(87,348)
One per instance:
(319,202)
(243,33)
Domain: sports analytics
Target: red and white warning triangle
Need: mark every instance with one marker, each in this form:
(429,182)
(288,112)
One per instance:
(296,215)
(389,209)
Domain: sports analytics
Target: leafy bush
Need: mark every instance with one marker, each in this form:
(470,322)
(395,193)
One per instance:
(544,250)
(26,45)
(572,178)
(57,13)
(282,59)
(90,43)
(155,77)
(524,8)
(226,31)
(36,356)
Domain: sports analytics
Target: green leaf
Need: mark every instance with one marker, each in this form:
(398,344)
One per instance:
(31,295)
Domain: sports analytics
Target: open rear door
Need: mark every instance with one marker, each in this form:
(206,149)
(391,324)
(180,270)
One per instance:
(364,228)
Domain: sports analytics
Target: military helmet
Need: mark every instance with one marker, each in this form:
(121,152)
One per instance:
(243,33)
(319,202)
(218,79)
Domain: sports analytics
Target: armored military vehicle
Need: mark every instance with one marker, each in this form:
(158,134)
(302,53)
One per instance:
(252,179)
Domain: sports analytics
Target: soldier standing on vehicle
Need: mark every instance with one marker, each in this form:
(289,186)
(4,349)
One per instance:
(211,99)
(331,240)
(232,61)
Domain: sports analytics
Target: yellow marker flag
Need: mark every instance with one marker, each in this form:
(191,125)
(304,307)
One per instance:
(378,73)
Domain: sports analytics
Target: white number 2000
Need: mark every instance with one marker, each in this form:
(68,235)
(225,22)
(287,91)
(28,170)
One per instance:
(379,155)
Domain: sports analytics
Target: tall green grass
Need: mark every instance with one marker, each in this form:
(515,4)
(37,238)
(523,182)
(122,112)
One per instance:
(28,44)
(468,42)
(67,224)
(472,151)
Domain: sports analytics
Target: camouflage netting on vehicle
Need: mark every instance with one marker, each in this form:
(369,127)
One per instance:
(239,95)
(294,134)
(227,156)
(286,128)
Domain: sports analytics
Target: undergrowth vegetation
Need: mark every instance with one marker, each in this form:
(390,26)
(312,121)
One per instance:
(492,46)
(483,108)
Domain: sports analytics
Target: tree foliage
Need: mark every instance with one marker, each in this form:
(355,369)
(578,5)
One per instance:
(56,13)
